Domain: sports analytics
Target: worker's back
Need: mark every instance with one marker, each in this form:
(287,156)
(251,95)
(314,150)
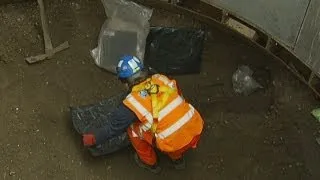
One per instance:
(163,111)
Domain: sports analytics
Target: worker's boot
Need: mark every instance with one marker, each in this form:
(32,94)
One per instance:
(179,164)
(154,169)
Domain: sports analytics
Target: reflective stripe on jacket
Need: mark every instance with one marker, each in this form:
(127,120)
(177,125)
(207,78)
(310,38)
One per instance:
(177,122)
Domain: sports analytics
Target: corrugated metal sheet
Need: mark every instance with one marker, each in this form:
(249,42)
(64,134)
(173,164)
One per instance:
(281,19)
(308,43)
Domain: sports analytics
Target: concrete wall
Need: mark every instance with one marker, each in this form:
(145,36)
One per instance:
(281,19)
(294,24)
(307,47)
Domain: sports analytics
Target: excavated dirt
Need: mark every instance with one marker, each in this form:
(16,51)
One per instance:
(267,135)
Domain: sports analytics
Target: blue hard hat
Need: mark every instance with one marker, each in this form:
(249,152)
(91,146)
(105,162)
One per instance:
(128,66)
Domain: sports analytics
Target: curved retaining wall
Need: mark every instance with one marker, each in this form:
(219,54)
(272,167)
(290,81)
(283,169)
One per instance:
(295,24)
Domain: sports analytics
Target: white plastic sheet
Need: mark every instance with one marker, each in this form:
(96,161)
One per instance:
(123,33)
(243,82)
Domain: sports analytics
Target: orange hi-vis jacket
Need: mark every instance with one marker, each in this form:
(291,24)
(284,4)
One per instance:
(163,114)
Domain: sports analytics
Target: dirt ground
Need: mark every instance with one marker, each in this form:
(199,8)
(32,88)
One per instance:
(267,135)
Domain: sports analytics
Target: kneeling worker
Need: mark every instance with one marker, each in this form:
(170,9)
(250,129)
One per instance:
(154,114)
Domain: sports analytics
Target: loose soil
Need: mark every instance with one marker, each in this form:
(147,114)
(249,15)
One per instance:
(267,135)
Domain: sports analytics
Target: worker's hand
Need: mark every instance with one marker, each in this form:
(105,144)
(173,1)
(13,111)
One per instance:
(88,139)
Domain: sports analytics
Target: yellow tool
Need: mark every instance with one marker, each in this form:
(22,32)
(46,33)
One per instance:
(159,97)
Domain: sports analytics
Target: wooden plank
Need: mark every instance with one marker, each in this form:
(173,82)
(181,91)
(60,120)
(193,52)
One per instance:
(41,57)
(241,28)
(45,27)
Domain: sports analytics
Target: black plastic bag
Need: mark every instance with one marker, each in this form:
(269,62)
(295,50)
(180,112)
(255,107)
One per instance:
(86,118)
(174,51)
